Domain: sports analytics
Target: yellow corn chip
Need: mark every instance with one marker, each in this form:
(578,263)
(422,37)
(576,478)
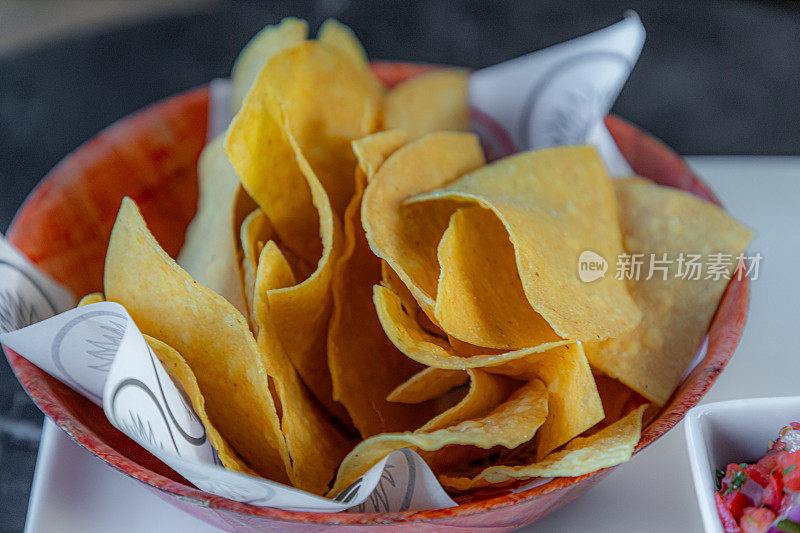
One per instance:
(95,297)
(608,447)
(274,269)
(427,385)
(676,312)
(409,337)
(301,312)
(180,372)
(573,405)
(314,94)
(486,391)
(274,272)
(406,237)
(257,235)
(574,401)
(255,231)
(315,446)
(208,332)
(185,379)
(275,290)
(266,43)
(392,281)
(555,204)
(358,351)
(436,101)
(480,299)
(372,151)
(334,33)
(308,101)
(510,424)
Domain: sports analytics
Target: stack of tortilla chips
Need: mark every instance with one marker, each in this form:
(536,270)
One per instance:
(358,279)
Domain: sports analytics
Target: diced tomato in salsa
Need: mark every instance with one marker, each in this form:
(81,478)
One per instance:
(756,519)
(773,493)
(729,523)
(757,474)
(735,502)
(769,461)
(789,464)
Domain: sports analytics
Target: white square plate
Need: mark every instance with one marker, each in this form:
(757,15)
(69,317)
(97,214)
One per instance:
(731,432)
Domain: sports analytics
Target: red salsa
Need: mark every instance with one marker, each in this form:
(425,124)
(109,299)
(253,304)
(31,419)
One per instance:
(763,497)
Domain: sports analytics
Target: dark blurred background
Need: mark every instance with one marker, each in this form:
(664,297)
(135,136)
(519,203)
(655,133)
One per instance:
(714,78)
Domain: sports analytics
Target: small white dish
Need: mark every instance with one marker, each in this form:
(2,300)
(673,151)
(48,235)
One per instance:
(731,432)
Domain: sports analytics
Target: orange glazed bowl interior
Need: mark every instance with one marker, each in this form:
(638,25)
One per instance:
(151,156)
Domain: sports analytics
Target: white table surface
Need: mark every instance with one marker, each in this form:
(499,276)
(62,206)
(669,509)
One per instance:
(73,491)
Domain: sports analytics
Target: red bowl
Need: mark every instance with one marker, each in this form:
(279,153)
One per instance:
(64,227)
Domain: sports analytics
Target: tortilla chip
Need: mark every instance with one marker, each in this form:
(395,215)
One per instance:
(676,313)
(608,447)
(510,424)
(257,235)
(95,297)
(185,379)
(266,43)
(479,298)
(307,102)
(255,231)
(372,151)
(436,101)
(271,174)
(315,446)
(407,237)
(273,270)
(314,94)
(466,349)
(210,334)
(328,102)
(364,364)
(301,312)
(334,33)
(180,372)
(573,404)
(427,385)
(486,391)
(300,325)
(555,204)
(209,253)
(392,281)
(409,337)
